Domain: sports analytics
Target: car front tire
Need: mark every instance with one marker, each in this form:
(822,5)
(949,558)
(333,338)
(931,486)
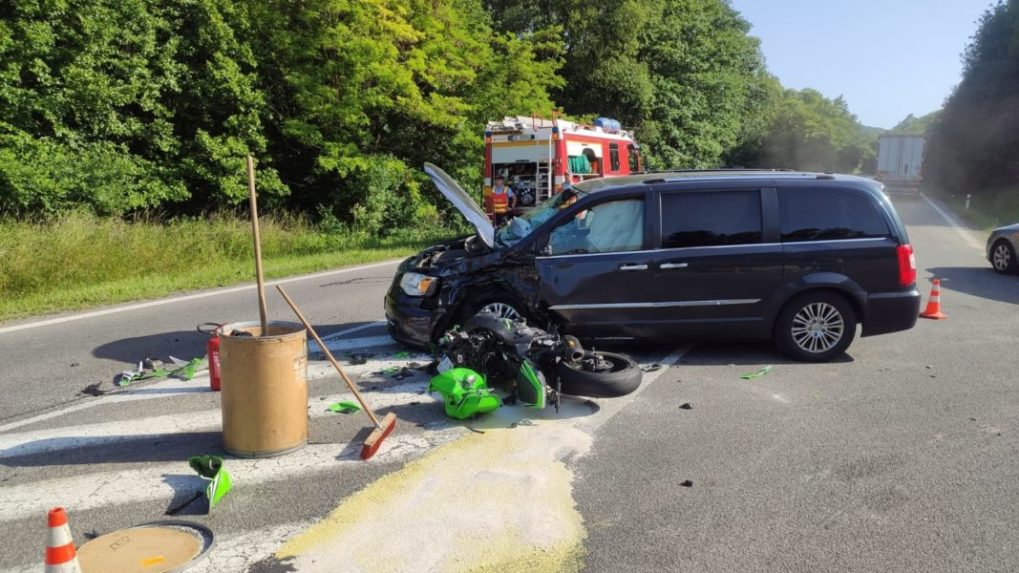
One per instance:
(1003,258)
(815,327)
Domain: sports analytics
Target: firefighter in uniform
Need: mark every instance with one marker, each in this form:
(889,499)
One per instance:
(503,199)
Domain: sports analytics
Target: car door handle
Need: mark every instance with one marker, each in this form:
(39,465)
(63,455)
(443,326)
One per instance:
(633,267)
(668,266)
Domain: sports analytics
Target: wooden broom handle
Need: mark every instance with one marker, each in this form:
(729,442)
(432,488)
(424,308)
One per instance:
(262,311)
(329,356)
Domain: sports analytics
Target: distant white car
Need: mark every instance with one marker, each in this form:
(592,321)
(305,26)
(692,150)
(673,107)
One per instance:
(1001,249)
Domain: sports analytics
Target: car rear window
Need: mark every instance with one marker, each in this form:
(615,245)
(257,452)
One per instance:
(711,219)
(810,214)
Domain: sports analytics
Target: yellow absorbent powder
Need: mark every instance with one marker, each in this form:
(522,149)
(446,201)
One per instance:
(498,501)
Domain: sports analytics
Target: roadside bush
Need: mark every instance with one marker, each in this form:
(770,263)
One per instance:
(80,259)
(42,176)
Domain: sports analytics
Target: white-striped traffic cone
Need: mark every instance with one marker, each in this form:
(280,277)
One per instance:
(60,554)
(933,309)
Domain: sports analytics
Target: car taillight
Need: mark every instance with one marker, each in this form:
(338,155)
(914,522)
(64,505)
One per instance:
(907,264)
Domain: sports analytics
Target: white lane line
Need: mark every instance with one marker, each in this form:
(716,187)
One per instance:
(200,383)
(158,482)
(343,333)
(89,435)
(610,408)
(164,301)
(235,551)
(352,343)
(952,222)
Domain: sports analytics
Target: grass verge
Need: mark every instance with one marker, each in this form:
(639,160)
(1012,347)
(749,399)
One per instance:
(986,211)
(80,261)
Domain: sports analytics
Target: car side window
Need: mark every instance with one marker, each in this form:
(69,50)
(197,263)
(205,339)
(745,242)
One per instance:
(704,219)
(828,214)
(614,226)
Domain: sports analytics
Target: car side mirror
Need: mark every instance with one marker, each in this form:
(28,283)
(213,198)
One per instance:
(545,251)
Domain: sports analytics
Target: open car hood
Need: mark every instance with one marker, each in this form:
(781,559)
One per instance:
(462,201)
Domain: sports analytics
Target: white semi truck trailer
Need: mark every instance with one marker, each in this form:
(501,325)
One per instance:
(900,161)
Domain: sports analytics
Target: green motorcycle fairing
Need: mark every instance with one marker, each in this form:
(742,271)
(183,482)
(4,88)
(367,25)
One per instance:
(465,393)
(531,386)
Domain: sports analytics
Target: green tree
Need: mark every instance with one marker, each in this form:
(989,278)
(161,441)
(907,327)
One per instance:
(808,131)
(357,89)
(124,104)
(681,72)
(916,125)
(974,144)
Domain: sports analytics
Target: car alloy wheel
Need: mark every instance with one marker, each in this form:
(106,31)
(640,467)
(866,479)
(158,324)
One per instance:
(818,327)
(1001,257)
(502,310)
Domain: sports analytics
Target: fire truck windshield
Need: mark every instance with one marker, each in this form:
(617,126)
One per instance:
(521,226)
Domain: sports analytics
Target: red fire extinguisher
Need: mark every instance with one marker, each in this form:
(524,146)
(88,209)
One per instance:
(212,347)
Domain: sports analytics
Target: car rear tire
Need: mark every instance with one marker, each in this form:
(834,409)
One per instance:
(624,377)
(815,327)
(1003,258)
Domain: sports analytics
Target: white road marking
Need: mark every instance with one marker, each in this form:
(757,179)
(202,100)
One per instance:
(352,343)
(162,482)
(233,551)
(200,295)
(88,435)
(610,408)
(158,482)
(343,333)
(200,383)
(952,222)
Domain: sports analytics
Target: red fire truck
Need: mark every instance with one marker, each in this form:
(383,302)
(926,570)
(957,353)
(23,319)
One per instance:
(537,156)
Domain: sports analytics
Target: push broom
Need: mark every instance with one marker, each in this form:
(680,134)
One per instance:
(383,428)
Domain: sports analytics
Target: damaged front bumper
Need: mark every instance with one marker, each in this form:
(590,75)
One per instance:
(411,320)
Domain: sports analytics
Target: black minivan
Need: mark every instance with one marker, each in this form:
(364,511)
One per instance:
(798,257)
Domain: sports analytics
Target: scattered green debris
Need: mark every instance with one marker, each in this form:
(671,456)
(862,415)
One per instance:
(402,354)
(185,368)
(344,407)
(185,371)
(211,467)
(465,393)
(758,374)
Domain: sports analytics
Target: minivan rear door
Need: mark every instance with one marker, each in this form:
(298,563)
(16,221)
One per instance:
(718,263)
(840,232)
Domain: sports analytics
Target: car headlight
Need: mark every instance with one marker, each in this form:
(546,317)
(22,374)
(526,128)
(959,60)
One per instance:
(415,284)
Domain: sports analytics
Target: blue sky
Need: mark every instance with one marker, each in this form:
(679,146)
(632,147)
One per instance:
(888,58)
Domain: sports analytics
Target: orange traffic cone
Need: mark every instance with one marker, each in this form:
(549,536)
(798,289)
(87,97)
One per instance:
(933,309)
(60,554)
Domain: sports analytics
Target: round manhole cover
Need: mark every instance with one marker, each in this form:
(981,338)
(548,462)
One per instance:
(156,547)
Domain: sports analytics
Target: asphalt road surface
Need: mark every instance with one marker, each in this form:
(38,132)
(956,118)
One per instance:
(901,456)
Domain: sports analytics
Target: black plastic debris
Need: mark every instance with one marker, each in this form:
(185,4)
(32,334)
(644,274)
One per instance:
(652,367)
(686,406)
(404,373)
(686,483)
(358,359)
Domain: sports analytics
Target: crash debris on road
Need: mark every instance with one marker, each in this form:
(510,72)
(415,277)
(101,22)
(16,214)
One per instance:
(534,366)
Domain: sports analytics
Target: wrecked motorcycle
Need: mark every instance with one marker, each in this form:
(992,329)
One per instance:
(535,364)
